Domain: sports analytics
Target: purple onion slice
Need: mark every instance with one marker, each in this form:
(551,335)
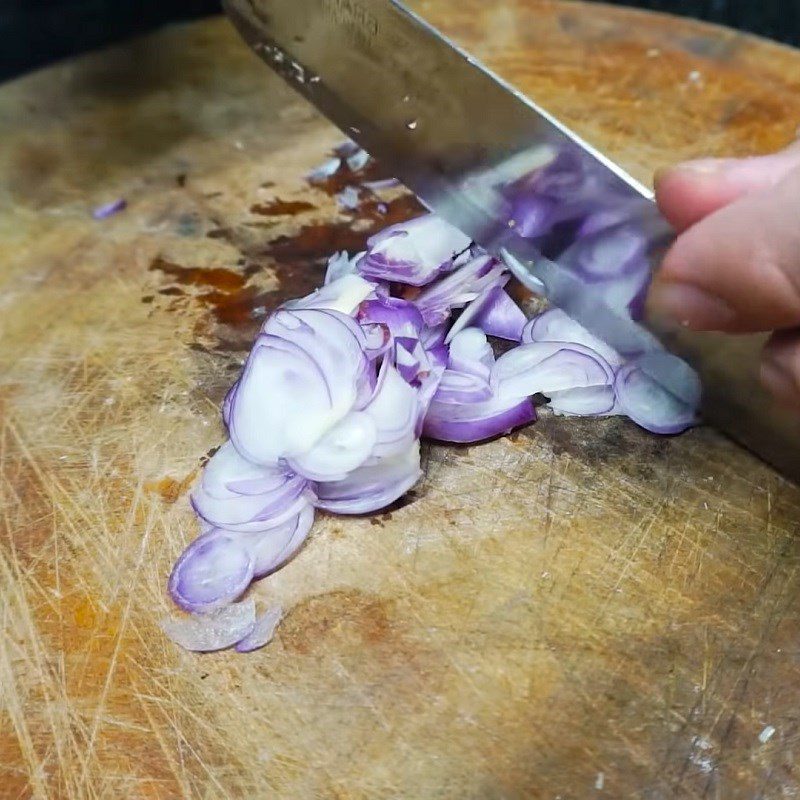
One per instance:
(585,401)
(372,486)
(495,313)
(343,448)
(659,392)
(545,367)
(237,495)
(554,325)
(459,288)
(413,252)
(213,571)
(344,295)
(262,632)
(476,422)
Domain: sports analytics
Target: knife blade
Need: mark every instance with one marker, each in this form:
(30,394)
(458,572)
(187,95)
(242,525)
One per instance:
(461,138)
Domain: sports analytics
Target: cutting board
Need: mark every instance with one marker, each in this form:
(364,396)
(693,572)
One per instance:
(578,610)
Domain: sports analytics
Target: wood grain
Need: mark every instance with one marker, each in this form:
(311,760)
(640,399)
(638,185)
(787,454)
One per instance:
(579,610)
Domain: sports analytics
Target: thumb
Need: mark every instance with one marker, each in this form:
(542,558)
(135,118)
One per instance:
(690,191)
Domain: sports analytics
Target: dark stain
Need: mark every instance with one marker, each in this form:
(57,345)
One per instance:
(279,208)
(172,291)
(180,180)
(360,618)
(406,500)
(219,278)
(597,442)
(148,298)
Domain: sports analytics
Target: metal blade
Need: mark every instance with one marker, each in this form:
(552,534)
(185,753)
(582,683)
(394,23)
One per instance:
(459,137)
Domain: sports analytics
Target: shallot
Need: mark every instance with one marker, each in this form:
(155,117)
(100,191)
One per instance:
(340,385)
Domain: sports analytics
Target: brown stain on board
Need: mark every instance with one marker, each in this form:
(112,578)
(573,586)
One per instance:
(297,261)
(219,278)
(281,208)
(171,489)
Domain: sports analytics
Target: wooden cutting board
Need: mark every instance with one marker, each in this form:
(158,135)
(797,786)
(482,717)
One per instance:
(578,610)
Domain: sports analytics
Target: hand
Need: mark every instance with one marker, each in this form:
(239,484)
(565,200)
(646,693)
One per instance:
(735,266)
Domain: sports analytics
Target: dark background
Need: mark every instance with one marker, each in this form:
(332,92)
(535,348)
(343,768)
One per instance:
(34,32)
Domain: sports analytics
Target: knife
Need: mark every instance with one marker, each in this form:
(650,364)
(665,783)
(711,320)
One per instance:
(461,138)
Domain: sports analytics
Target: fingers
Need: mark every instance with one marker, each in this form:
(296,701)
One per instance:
(780,368)
(686,193)
(737,270)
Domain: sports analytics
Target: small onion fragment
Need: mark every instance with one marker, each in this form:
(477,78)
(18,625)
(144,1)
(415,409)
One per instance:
(109,209)
(495,313)
(216,631)
(413,252)
(343,294)
(262,632)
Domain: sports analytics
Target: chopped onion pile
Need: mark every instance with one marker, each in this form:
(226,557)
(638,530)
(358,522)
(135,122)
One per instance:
(340,386)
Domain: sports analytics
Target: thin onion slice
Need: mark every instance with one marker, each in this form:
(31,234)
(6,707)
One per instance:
(476,422)
(495,313)
(340,450)
(213,571)
(240,496)
(544,367)
(344,294)
(585,401)
(554,325)
(216,631)
(372,486)
(659,392)
(262,632)
(459,288)
(413,252)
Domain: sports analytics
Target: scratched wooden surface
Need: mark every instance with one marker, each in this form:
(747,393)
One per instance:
(580,610)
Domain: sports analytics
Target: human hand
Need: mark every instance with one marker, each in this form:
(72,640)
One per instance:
(735,266)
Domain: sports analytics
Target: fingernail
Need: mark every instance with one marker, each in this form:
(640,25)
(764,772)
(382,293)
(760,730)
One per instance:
(704,166)
(691,306)
(777,380)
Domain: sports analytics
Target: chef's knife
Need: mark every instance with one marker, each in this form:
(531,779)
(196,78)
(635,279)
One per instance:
(457,136)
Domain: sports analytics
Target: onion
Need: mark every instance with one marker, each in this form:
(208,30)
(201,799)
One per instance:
(310,353)
(357,160)
(413,252)
(642,393)
(343,294)
(217,631)
(339,265)
(545,367)
(459,288)
(240,496)
(109,209)
(262,632)
(495,313)
(583,401)
(554,325)
(218,566)
(341,384)
(345,447)
(213,571)
(372,486)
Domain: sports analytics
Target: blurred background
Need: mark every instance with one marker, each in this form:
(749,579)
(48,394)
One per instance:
(35,32)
